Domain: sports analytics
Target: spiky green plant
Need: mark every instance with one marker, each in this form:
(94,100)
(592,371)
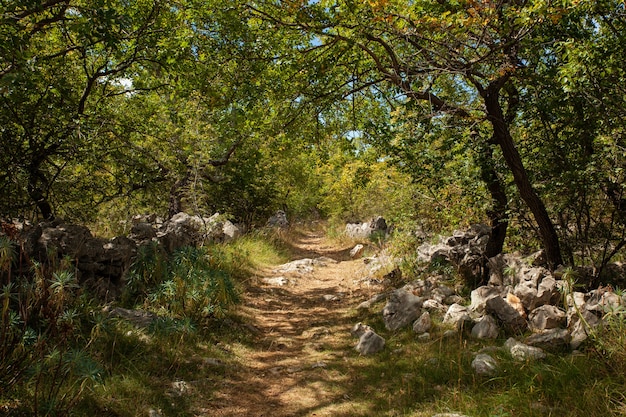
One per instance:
(194,286)
(149,269)
(8,255)
(62,287)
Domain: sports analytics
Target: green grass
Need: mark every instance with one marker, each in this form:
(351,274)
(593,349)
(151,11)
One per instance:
(409,378)
(414,379)
(256,250)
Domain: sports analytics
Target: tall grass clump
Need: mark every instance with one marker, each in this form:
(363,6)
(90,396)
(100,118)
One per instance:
(192,282)
(45,331)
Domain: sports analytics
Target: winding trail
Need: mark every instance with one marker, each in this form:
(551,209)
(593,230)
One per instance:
(302,329)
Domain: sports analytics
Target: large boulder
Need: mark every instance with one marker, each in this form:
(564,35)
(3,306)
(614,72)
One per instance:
(101,263)
(511,319)
(186,230)
(402,309)
(142,233)
(364,231)
(181,230)
(464,249)
(230,231)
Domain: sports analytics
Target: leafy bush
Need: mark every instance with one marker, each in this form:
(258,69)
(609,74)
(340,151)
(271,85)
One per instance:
(44,359)
(192,282)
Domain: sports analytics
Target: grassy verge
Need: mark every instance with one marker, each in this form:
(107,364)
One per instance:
(61,354)
(177,365)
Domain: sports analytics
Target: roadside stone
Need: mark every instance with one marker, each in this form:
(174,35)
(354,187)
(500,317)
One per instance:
(581,329)
(480,295)
(299,266)
(179,388)
(423,323)
(402,309)
(547,292)
(602,302)
(546,317)
(142,232)
(484,365)
(486,328)
(360,329)
(367,229)
(522,352)
(370,343)
(455,313)
(516,303)
(552,339)
(276,281)
(511,319)
(526,291)
(357,251)
(435,307)
(230,231)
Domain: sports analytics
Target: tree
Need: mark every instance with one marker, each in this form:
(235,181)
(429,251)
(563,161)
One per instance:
(462,60)
(64,62)
(572,113)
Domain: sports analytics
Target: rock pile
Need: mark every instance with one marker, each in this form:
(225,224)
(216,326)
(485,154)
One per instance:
(365,231)
(521,300)
(102,263)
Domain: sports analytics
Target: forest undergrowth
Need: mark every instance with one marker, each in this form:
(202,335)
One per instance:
(258,350)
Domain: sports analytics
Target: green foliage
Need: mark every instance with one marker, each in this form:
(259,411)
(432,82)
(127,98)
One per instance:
(572,115)
(191,283)
(148,270)
(609,339)
(45,329)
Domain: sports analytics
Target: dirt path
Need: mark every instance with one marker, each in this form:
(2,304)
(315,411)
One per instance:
(302,328)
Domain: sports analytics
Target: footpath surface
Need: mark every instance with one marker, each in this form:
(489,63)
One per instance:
(300,315)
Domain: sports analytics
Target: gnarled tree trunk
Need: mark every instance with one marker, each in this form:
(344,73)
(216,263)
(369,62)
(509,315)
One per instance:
(502,136)
(498,211)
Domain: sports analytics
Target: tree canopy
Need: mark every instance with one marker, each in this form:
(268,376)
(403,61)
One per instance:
(509,112)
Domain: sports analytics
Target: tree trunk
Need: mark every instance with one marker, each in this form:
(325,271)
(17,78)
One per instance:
(502,136)
(37,195)
(498,212)
(177,193)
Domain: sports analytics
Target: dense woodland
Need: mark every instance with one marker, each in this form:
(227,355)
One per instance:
(507,112)
(436,114)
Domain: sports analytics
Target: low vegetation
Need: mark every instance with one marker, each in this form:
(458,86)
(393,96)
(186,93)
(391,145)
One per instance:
(434,114)
(63,355)
(59,347)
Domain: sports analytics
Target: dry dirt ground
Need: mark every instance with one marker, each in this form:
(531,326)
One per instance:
(301,329)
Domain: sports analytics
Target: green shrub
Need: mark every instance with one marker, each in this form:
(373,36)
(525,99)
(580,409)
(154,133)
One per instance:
(44,359)
(192,282)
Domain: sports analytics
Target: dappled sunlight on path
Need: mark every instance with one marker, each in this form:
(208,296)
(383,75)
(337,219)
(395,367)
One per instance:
(302,329)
